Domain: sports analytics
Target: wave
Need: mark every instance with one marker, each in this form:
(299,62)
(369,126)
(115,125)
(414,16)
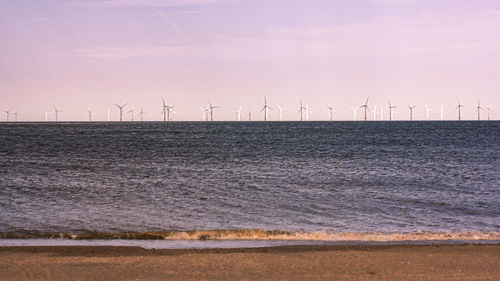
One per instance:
(260,234)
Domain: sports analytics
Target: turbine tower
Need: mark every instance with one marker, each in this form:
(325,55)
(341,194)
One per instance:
(8,114)
(365,106)
(441,112)
(330,112)
(15,116)
(204,114)
(46,116)
(121,110)
(428,111)
(489,109)
(89,111)
(411,107)
(301,110)
(265,108)
(354,112)
(459,108)
(249,114)
(478,109)
(391,107)
(142,115)
(307,112)
(166,110)
(281,109)
(57,113)
(109,115)
(211,108)
(375,113)
(238,113)
(132,114)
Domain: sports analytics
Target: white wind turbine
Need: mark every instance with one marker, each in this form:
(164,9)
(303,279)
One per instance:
(459,108)
(121,110)
(57,113)
(489,109)
(478,109)
(308,111)
(109,115)
(249,114)
(142,115)
(15,116)
(301,110)
(204,114)
(8,114)
(238,113)
(365,106)
(428,112)
(442,112)
(411,107)
(354,112)
(89,111)
(211,108)
(391,107)
(46,113)
(131,111)
(330,112)
(281,109)
(265,109)
(375,113)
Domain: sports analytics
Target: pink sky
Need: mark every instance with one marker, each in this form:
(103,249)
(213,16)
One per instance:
(91,54)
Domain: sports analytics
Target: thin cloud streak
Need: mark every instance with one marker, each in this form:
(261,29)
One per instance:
(168,20)
(152,3)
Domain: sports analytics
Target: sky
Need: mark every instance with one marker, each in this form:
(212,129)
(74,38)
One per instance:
(80,54)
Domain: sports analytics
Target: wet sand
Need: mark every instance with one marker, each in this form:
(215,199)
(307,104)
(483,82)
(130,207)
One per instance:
(357,262)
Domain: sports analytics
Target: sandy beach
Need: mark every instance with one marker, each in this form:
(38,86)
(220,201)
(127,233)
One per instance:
(356,262)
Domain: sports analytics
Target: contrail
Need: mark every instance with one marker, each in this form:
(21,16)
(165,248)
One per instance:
(168,20)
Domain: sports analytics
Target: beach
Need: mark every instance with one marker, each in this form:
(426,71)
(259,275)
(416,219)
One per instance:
(309,262)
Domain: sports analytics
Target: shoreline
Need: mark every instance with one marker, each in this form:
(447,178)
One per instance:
(293,262)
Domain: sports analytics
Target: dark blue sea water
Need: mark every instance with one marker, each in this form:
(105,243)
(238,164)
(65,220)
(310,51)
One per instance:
(312,178)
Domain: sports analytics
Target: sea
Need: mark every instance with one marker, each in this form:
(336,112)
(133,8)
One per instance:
(195,184)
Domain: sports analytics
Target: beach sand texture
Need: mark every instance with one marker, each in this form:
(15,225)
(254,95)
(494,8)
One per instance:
(355,262)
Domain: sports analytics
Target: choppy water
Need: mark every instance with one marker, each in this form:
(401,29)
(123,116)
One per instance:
(307,180)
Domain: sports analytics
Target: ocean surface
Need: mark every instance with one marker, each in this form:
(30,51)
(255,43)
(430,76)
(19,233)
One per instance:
(336,181)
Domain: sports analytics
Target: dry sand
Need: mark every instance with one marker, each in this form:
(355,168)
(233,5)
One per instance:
(380,262)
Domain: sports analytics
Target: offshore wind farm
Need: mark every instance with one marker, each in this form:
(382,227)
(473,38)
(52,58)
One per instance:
(249,140)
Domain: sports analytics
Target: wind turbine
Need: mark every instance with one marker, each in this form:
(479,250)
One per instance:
(109,115)
(330,112)
(15,116)
(132,114)
(166,111)
(391,107)
(459,108)
(249,114)
(281,109)
(375,113)
(489,109)
(265,108)
(301,110)
(365,106)
(211,108)
(142,115)
(428,111)
(90,114)
(307,112)
(478,109)
(354,112)
(442,112)
(121,110)
(46,116)
(170,113)
(411,107)
(57,113)
(238,113)
(8,114)
(204,114)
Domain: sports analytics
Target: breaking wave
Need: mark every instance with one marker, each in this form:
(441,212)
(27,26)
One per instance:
(260,234)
